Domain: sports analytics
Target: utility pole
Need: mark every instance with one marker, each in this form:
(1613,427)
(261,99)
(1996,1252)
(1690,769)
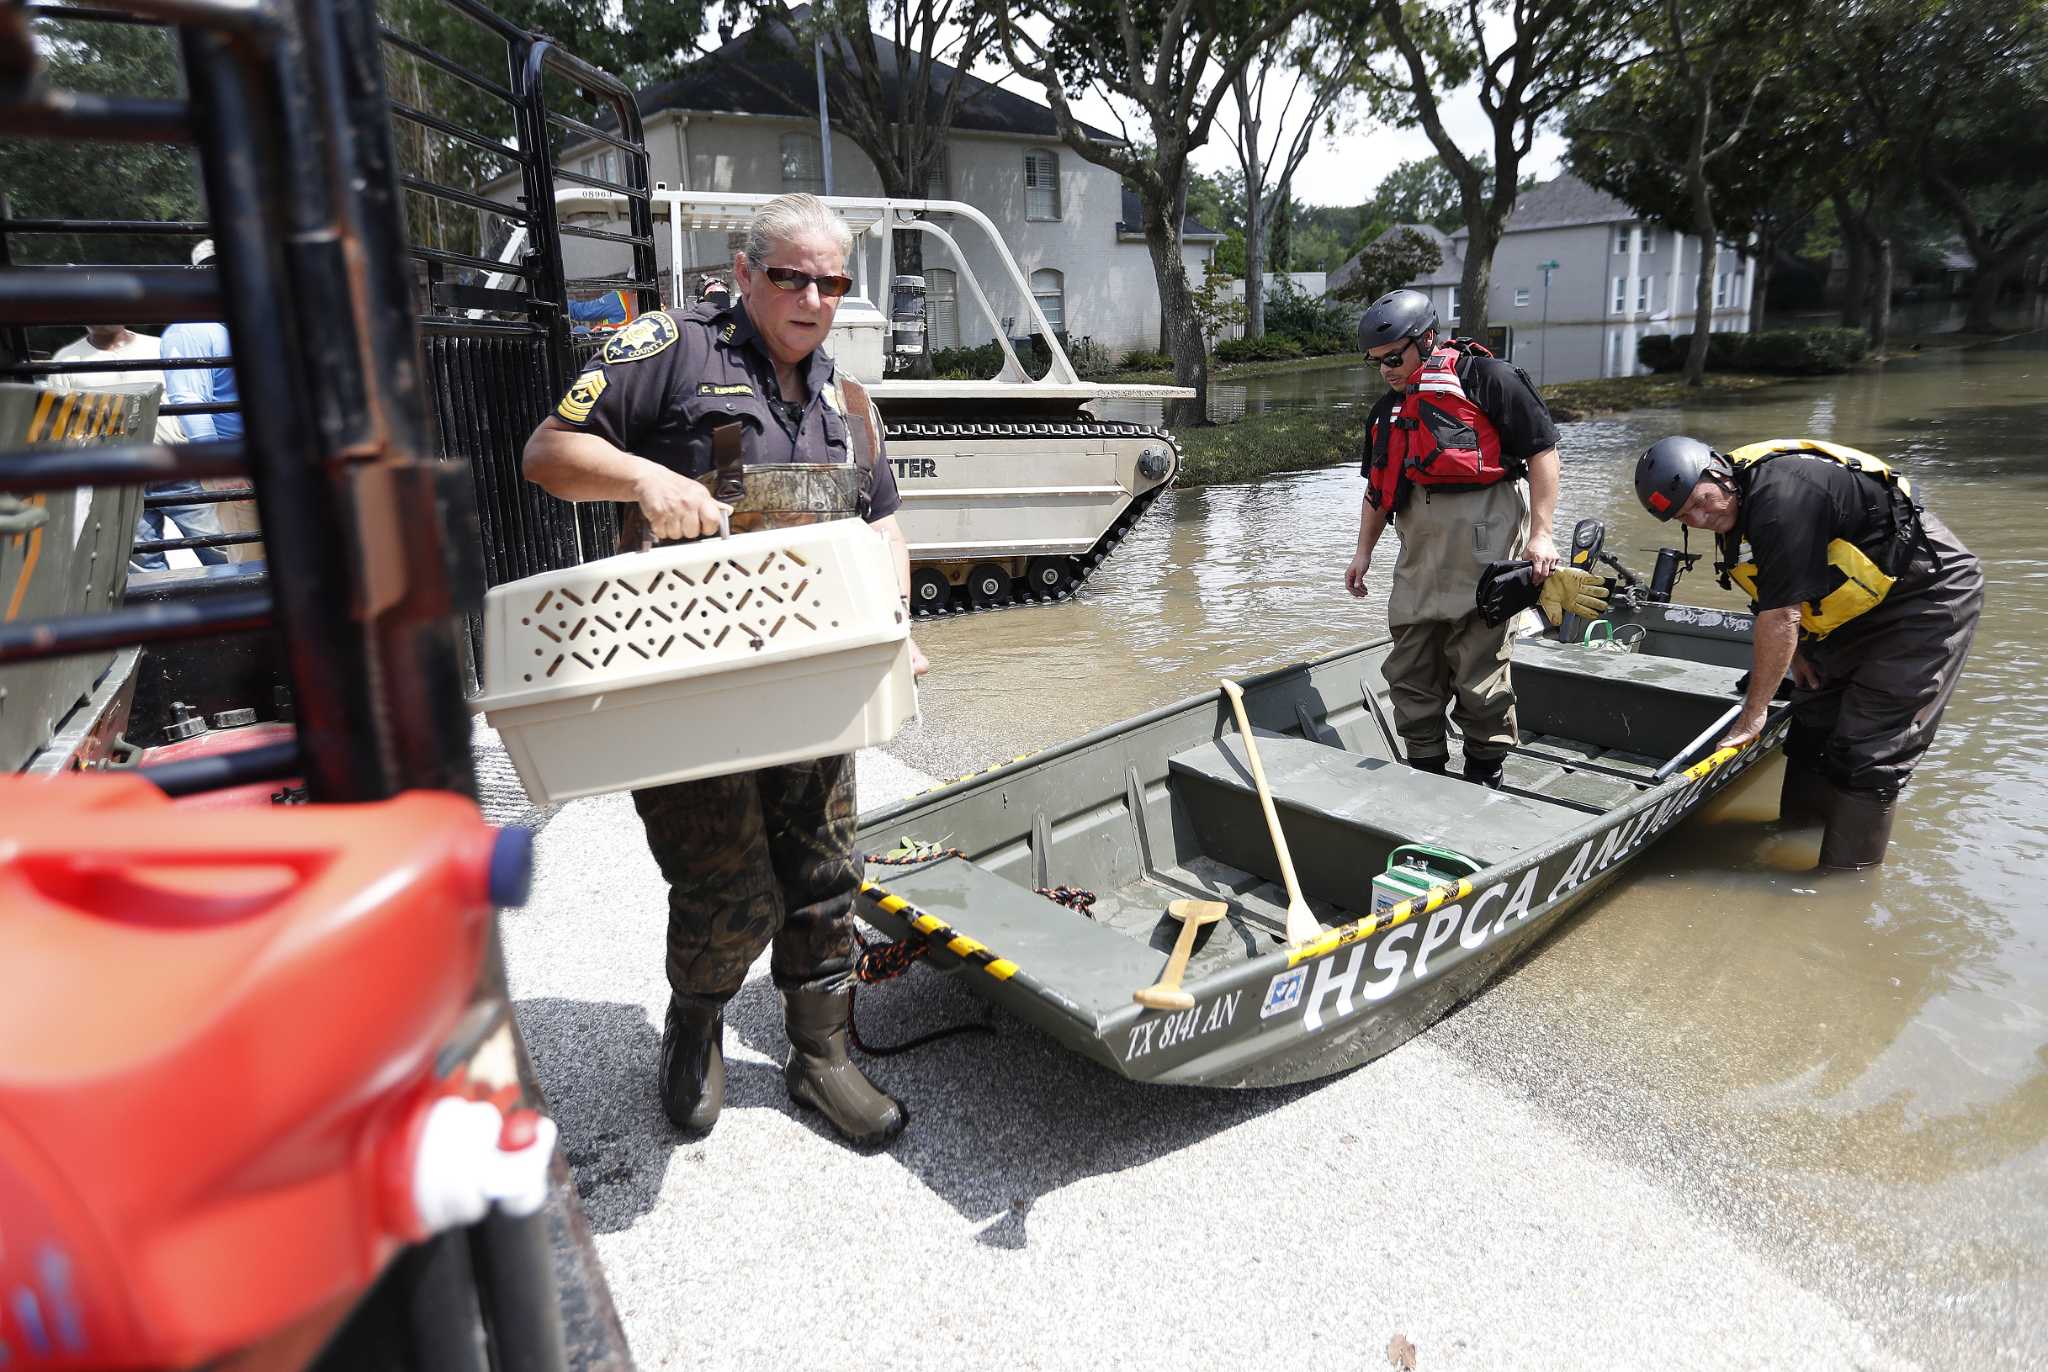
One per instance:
(824,111)
(1543,353)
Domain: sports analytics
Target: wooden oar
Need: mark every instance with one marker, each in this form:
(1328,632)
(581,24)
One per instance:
(1301,924)
(1165,994)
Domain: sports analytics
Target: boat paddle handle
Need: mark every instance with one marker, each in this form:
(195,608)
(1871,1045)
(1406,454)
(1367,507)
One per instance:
(1707,735)
(1301,923)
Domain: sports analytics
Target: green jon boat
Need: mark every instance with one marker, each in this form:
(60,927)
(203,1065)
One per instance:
(1165,808)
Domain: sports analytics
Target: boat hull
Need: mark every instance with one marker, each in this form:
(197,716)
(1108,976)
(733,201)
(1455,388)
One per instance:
(1152,809)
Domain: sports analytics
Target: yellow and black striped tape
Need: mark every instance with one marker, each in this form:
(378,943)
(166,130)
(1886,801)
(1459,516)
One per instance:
(937,931)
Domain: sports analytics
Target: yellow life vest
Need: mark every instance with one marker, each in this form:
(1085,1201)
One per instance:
(1864,584)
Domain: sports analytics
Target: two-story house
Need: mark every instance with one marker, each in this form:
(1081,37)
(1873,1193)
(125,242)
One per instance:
(1617,278)
(745,118)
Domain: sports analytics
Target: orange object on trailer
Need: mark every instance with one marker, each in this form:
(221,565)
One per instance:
(232,1082)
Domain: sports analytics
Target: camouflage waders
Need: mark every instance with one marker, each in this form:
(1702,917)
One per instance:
(753,860)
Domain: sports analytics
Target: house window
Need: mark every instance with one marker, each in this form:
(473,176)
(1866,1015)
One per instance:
(1620,294)
(1452,312)
(1649,241)
(942,308)
(1521,296)
(1621,238)
(1642,295)
(803,163)
(1049,289)
(935,177)
(604,166)
(1721,291)
(1041,185)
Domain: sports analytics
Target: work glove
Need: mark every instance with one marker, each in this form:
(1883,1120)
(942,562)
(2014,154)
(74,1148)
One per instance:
(1572,591)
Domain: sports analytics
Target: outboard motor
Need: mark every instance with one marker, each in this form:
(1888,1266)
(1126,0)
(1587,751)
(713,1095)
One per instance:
(1665,576)
(906,316)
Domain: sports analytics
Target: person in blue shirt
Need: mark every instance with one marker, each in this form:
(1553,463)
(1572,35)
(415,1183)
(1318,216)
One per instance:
(190,385)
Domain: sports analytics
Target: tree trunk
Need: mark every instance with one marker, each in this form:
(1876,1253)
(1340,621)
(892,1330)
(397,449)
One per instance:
(1254,216)
(1710,251)
(1881,291)
(1702,307)
(1856,277)
(1760,286)
(1177,323)
(1477,278)
(1984,290)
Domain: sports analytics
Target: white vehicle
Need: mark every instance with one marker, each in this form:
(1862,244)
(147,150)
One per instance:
(1012,491)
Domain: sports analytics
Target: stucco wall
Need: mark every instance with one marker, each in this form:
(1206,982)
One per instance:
(1111,293)
(1588,336)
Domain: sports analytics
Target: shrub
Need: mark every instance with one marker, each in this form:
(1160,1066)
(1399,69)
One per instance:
(1145,360)
(1808,352)
(967,364)
(1271,348)
(1793,352)
(1311,321)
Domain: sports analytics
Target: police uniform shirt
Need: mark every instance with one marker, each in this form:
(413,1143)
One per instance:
(663,384)
(1501,389)
(1792,509)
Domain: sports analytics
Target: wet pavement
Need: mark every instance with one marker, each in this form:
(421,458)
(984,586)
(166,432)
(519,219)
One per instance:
(1731,1116)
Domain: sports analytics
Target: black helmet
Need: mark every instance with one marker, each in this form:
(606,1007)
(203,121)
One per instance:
(1669,469)
(1395,315)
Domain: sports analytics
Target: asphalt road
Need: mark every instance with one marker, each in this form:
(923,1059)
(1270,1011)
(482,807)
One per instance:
(1459,1196)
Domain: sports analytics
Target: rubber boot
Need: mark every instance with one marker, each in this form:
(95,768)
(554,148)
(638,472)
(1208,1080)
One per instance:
(693,1064)
(1803,798)
(1859,828)
(821,1077)
(1484,772)
(1435,766)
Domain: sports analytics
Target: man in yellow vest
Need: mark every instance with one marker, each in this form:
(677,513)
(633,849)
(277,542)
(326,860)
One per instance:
(1868,601)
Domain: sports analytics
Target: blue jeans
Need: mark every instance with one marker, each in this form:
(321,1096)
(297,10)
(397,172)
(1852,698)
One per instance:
(193,521)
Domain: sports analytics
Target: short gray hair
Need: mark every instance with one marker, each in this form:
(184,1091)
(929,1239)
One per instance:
(787,218)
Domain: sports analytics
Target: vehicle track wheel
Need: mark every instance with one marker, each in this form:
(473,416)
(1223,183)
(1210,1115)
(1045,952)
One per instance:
(930,592)
(988,584)
(1049,577)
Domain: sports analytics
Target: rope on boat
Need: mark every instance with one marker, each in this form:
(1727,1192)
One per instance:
(887,960)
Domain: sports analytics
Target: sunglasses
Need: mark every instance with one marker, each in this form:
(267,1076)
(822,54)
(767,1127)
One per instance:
(1392,359)
(790,279)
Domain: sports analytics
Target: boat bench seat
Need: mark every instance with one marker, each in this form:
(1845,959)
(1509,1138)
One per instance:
(1626,702)
(1095,966)
(1345,813)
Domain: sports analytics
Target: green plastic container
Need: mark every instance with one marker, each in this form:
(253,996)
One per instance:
(1412,869)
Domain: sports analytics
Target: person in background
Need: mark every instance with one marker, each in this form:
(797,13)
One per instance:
(201,385)
(119,343)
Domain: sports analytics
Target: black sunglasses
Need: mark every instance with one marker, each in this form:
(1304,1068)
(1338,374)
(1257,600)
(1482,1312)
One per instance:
(1392,359)
(790,279)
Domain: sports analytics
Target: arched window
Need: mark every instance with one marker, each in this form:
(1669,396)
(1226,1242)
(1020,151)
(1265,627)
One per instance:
(1041,184)
(1049,289)
(941,308)
(803,163)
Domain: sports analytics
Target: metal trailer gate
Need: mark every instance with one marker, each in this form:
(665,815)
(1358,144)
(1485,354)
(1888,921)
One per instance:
(371,533)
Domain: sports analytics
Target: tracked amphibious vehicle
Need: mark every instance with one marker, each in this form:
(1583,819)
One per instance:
(1012,491)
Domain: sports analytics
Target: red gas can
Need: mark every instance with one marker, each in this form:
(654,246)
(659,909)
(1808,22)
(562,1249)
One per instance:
(218,1033)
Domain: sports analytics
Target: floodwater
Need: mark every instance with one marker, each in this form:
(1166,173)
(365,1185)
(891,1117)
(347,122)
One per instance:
(1853,1069)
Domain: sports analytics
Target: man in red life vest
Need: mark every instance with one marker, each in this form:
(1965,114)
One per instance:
(1463,452)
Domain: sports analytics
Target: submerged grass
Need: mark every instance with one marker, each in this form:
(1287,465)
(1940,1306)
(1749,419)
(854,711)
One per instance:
(1295,440)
